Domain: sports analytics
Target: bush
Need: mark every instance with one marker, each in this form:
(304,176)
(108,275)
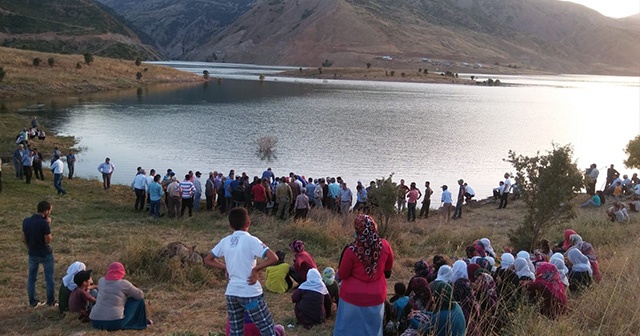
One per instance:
(327,63)
(37,61)
(547,184)
(265,147)
(139,75)
(368,65)
(261,77)
(78,65)
(392,73)
(51,61)
(425,71)
(402,75)
(320,71)
(205,74)
(138,61)
(382,202)
(88,58)
(2,73)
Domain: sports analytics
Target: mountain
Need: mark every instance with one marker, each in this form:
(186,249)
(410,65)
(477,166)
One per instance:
(179,26)
(69,26)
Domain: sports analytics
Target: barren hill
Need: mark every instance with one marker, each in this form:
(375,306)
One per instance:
(70,26)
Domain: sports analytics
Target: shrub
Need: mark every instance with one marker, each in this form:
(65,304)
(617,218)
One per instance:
(327,63)
(265,147)
(205,74)
(320,71)
(138,61)
(402,75)
(368,65)
(382,202)
(78,65)
(632,150)
(51,61)
(88,58)
(261,77)
(2,73)
(37,61)
(392,73)
(547,184)
(139,75)
(473,77)
(425,71)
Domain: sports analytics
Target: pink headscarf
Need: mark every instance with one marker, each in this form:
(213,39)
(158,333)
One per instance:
(115,272)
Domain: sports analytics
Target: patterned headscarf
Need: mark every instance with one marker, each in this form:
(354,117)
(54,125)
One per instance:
(548,275)
(471,271)
(367,243)
(421,268)
(297,246)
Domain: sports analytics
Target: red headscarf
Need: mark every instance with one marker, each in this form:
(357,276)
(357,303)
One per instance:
(471,271)
(115,272)
(367,244)
(548,275)
(566,244)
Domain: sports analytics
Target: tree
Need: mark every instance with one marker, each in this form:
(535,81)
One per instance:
(51,61)
(392,73)
(205,74)
(88,58)
(368,65)
(78,65)
(261,77)
(633,150)
(139,61)
(320,71)
(327,63)
(548,184)
(37,61)
(473,77)
(403,74)
(2,74)
(382,202)
(139,75)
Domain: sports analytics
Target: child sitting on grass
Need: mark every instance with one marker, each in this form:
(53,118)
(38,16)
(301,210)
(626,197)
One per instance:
(278,279)
(329,279)
(399,300)
(80,298)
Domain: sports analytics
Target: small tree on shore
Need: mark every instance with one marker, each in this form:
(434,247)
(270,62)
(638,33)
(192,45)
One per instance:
(37,61)
(205,74)
(392,73)
(78,65)
(368,65)
(88,58)
(266,147)
(382,202)
(139,75)
(633,152)
(51,61)
(139,61)
(548,184)
(2,73)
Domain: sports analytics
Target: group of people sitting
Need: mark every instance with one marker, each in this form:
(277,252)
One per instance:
(113,304)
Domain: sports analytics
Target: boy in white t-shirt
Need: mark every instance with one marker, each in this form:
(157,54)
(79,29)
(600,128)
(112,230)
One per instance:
(244,292)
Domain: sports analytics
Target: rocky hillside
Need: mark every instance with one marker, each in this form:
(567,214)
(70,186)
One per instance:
(70,26)
(177,27)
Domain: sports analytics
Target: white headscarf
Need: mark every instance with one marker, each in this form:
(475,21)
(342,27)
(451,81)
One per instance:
(522,269)
(314,282)
(557,259)
(579,262)
(486,243)
(474,260)
(445,274)
(507,260)
(459,271)
(526,256)
(73,269)
(491,262)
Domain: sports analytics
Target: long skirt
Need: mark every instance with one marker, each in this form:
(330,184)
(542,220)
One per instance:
(135,318)
(352,320)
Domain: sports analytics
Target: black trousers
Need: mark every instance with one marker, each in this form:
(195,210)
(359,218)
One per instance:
(187,203)
(209,202)
(503,200)
(424,211)
(72,170)
(37,170)
(140,199)
(27,173)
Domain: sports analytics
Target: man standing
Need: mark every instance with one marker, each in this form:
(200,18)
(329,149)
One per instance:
(106,169)
(187,190)
(284,195)
(198,194)
(446,202)
(413,196)
(210,191)
(36,235)
(268,174)
(333,192)
(506,189)
(155,196)
(611,175)
(139,185)
(402,196)
(346,199)
(37,164)
(173,197)
(17,161)
(259,193)
(27,164)
(426,201)
(71,163)
(57,167)
(457,213)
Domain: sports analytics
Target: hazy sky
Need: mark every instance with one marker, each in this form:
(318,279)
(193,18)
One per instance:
(612,8)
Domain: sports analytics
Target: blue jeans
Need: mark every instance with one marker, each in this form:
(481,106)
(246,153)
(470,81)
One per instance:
(57,183)
(154,208)
(34,264)
(196,201)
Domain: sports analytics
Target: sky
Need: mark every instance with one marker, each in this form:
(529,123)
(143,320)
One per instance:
(612,8)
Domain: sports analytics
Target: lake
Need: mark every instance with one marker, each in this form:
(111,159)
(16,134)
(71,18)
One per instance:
(354,129)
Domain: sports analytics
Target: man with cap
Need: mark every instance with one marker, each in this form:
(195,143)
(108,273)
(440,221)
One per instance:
(446,202)
(461,191)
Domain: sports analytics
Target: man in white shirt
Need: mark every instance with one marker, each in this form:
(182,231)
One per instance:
(57,167)
(244,292)
(139,186)
(591,177)
(106,169)
(198,194)
(506,189)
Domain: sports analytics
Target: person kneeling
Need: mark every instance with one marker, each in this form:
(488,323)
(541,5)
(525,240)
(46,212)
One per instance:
(312,299)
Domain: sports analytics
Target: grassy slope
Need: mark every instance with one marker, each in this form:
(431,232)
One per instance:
(98,227)
(24,80)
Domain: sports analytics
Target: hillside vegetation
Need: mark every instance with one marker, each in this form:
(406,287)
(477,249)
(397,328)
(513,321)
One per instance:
(70,74)
(70,26)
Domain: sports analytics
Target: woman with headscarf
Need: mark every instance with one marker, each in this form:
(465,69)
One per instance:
(521,267)
(548,289)
(463,294)
(557,259)
(417,309)
(580,275)
(526,256)
(120,305)
(589,252)
(508,289)
(302,262)
(565,244)
(329,279)
(484,288)
(68,285)
(486,244)
(421,270)
(444,274)
(312,299)
(480,251)
(447,318)
(364,267)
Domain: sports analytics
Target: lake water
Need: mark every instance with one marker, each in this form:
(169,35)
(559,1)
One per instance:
(354,129)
